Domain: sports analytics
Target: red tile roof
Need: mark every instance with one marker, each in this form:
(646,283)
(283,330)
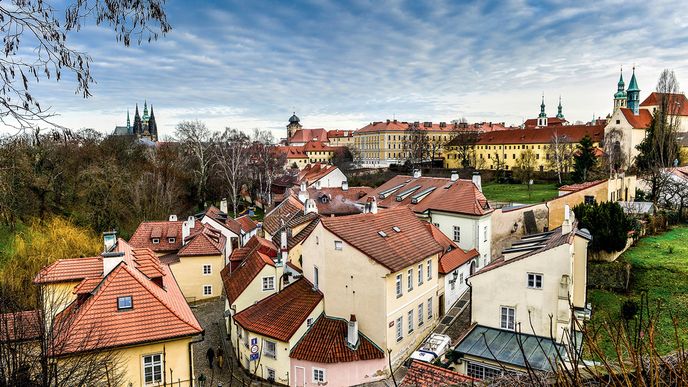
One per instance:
(238,280)
(339,133)
(444,241)
(313,172)
(326,342)
(395,251)
(222,218)
(306,135)
(281,314)
(461,196)
(580,186)
(317,146)
(144,234)
(335,201)
(455,258)
(402,126)
(282,213)
(574,133)
(293,152)
(247,224)
(551,121)
(159,313)
(70,270)
(422,374)
(680,100)
(642,120)
(204,240)
(20,326)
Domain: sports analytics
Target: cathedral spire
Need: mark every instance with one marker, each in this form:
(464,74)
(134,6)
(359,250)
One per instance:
(128,123)
(145,111)
(633,94)
(542,107)
(560,115)
(152,126)
(138,126)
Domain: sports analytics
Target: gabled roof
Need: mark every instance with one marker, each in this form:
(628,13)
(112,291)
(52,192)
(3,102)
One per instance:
(402,126)
(162,230)
(335,200)
(247,224)
(238,280)
(551,121)
(159,312)
(256,243)
(204,240)
(431,193)
(339,133)
(678,100)
(222,218)
(509,347)
(455,258)
(311,220)
(282,213)
(69,270)
(314,172)
(422,374)
(281,314)
(641,121)
(573,133)
(20,326)
(306,135)
(392,249)
(581,186)
(326,342)
(293,151)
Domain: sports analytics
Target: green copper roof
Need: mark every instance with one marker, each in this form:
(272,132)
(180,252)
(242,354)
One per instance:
(633,86)
(542,107)
(560,115)
(620,94)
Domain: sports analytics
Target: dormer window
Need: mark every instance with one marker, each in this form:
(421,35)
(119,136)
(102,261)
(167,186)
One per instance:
(171,240)
(124,303)
(156,241)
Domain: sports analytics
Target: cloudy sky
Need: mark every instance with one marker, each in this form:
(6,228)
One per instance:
(249,64)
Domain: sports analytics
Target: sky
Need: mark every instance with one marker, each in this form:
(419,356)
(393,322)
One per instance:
(343,64)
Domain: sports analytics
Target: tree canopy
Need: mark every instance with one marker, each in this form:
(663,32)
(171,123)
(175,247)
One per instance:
(607,223)
(584,160)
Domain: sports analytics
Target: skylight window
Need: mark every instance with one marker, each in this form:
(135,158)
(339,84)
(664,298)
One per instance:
(125,303)
(382,234)
(397,229)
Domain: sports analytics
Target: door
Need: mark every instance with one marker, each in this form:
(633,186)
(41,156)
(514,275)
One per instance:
(441,305)
(299,376)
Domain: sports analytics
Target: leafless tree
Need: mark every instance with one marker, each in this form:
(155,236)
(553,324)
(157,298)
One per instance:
(196,141)
(616,159)
(560,153)
(268,163)
(463,140)
(36,47)
(525,167)
(675,193)
(498,160)
(231,159)
(416,144)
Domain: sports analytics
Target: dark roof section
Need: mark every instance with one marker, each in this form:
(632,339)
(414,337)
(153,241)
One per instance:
(375,236)
(284,212)
(326,342)
(422,374)
(509,347)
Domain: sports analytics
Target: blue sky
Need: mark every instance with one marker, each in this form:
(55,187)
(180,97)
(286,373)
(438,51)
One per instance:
(249,64)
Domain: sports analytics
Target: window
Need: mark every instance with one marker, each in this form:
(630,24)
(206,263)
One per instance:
(271,374)
(429,308)
(400,328)
(534,281)
(429,265)
(268,283)
(171,240)
(269,349)
(436,225)
(318,375)
(316,277)
(479,371)
(337,245)
(618,122)
(207,290)
(484,233)
(452,284)
(409,280)
(152,369)
(508,318)
(420,274)
(457,234)
(421,310)
(207,269)
(309,322)
(410,321)
(124,302)
(461,278)
(589,199)
(400,292)
(156,241)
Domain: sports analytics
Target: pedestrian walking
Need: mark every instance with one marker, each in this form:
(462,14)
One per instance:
(220,357)
(211,356)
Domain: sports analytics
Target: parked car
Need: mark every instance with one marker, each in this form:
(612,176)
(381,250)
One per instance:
(432,348)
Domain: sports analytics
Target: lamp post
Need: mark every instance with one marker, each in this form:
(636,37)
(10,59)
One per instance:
(201,380)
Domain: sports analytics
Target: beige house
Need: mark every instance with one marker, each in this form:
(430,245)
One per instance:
(381,267)
(513,298)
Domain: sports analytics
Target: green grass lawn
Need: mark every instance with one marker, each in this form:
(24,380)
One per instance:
(518,193)
(659,268)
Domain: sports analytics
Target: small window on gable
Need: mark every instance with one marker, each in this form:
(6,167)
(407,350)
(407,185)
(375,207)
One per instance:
(171,240)
(618,122)
(156,241)
(337,245)
(124,303)
(207,269)
(309,322)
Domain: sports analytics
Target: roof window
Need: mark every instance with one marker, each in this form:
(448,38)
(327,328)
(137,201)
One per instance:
(382,234)
(125,303)
(397,229)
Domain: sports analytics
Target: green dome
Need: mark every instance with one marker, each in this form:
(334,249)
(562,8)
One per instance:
(620,94)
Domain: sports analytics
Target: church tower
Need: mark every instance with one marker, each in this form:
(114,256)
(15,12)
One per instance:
(145,112)
(128,123)
(542,118)
(293,127)
(560,115)
(620,95)
(633,94)
(138,125)
(152,126)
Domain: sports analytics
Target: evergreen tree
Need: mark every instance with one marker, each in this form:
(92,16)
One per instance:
(584,160)
(607,223)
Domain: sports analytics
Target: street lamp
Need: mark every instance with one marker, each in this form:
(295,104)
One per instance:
(201,380)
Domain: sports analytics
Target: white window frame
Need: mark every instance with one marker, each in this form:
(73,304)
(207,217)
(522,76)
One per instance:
(505,316)
(209,267)
(156,241)
(429,265)
(338,245)
(400,328)
(430,308)
(484,233)
(266,352)
(457,233)
(535,280)
(171,240)
(207,287)
(461,279)
(322,371)
(131,303)
(421,312)
(420,274)
(263,283)
(399,285)
(316,277)
(409,317)
(409,280)
(153,364)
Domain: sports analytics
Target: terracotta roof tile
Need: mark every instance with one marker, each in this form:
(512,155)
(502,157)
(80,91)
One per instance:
(247,224)
(395,250)
(574,133)
(654,99)
(402,126)
(642,120)
(20,326)
(581,186)
(326,342)
(144,234)
(306,135)
(551,121)
(206,240)
(444,241)
(222,218)
(422,374)
(313,172)
(283,212)
(455,258)
(68,270)
(336,201)
(238,280)
(281,314)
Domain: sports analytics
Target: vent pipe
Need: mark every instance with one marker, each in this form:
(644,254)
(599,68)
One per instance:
(352,332)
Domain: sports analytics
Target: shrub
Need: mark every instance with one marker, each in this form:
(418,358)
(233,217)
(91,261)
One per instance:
(607,223)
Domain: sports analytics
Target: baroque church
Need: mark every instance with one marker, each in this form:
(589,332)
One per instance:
(144,126)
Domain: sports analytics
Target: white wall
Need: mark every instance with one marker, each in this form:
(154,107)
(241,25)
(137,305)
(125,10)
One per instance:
(460,287)
(472,231)
(224,231)
(333,179)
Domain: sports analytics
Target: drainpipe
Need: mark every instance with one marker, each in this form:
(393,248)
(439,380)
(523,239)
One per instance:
(191,379)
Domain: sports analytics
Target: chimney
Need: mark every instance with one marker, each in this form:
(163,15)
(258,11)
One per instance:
(223,205)
(317,184)
(109,240)
(303,192)
(416,173)
(477,180)
(371,206)
(454,176)
(345,185)
(110,261)
(282,256)
(310,207)
(186,229)
(352,332)
(566,225)
(173,218)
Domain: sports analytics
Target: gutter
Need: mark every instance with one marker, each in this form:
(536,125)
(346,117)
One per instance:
(191,379)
